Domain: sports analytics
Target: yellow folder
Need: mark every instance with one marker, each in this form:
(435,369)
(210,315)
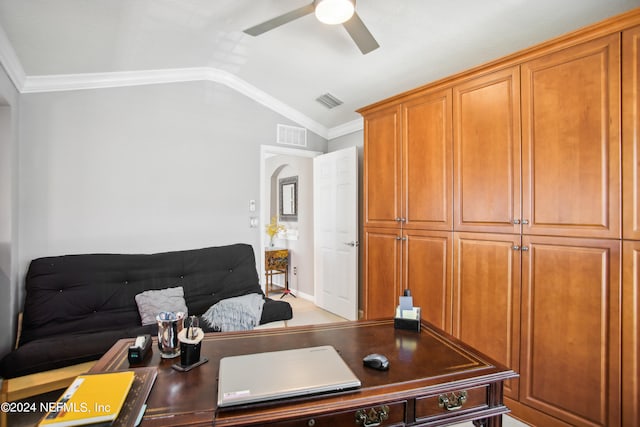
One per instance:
(91,398)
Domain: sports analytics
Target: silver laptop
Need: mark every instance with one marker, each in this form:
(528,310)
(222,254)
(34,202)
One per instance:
(273,375)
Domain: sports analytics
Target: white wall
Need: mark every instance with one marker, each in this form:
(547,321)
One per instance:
(141,169)
(354,139)
(9,289)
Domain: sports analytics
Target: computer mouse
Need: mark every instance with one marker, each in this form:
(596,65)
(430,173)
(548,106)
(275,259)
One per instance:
(376,361)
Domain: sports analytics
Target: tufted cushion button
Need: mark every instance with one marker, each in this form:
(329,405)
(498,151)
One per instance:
(182,277)
(231,270)
(126,282)
(60,290)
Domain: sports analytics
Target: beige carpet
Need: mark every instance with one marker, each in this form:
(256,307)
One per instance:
(305,312)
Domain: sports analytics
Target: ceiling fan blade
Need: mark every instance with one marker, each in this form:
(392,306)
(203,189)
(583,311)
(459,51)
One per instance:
(280,20)
(360,34)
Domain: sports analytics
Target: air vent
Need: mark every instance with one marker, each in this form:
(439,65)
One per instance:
(329,101)
(292,135)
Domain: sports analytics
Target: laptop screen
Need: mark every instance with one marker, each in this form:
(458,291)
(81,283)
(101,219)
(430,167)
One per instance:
(273,375)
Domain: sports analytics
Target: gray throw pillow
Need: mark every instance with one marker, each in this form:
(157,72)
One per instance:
(150,303)
(235,314)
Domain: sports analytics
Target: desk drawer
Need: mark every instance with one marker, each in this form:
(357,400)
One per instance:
(460,401)
(395,417)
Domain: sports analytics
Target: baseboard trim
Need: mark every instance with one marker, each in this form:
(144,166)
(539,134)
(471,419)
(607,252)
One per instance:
(530,416)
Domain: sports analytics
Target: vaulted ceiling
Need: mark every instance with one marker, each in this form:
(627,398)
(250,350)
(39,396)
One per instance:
(420,41)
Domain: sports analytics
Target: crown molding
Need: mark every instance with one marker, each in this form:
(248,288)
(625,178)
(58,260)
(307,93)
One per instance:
(10,62)
(65,82)
(345,128)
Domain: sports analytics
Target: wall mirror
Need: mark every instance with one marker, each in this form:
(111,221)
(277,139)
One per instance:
(288,198)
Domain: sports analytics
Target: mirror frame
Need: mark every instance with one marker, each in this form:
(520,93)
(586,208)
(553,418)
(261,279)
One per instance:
(288,198)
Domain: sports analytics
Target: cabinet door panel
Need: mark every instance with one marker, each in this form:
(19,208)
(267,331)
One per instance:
(571,141)
(487,153)
(381,272)
(427,259)
(427,162)
(631,334)
(486,297)
(571,328)
(631,133)
(382,152)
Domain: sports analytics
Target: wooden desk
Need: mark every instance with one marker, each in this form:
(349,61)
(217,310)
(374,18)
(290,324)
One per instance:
(425,369)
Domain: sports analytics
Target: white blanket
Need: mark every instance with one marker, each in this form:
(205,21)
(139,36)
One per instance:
(235,314)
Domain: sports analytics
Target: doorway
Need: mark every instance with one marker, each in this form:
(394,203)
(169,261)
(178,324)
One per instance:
(322,238)
(277,163)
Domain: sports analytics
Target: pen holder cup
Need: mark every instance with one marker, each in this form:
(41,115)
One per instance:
(190,347)
(170,325)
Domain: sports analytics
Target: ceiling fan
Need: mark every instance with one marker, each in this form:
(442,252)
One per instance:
(329,12)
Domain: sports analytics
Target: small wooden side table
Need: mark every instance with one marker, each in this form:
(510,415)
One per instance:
(276,261)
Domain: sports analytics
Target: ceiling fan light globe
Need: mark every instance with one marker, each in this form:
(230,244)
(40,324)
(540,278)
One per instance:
(334,12)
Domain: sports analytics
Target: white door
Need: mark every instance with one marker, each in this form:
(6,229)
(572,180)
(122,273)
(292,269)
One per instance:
(335,201)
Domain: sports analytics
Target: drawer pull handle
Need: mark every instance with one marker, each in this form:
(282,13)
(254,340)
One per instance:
(453,402)
(374,418)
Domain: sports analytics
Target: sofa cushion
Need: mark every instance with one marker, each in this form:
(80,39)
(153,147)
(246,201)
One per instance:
(273,311)
(235,314)
(150,303)
(65,350)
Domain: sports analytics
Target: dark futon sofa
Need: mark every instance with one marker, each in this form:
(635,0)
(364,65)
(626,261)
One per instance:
(78,306)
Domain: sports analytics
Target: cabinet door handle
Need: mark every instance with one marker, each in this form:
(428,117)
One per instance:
(515,247)
(398,238)
(403,219)
(373,418)
(525,221)
(404,238)
(525,248)
(453,402)
(398,219)
(516,221)
(352,244)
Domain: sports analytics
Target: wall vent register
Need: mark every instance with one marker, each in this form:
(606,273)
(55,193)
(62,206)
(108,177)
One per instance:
(329,100)
(292,135)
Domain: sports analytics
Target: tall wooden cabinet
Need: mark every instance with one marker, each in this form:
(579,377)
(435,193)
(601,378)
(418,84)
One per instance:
(571,141)
(631,228)
(630,332)
(419,260)
(408,183)
(631,133)
(571,329)
(382,167)
(504,215)
(486,296)
(487,153)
